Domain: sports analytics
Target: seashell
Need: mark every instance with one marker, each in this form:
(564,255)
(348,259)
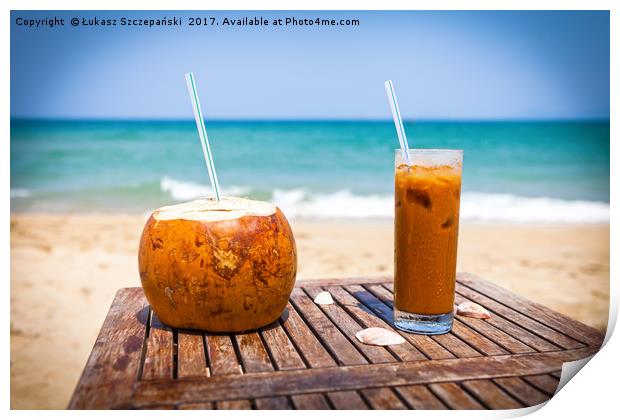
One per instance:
(379,337)
(472,310)
(324,298)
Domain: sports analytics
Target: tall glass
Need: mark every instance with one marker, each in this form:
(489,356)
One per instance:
(427,200)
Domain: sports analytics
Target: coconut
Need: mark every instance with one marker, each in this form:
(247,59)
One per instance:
(223,266)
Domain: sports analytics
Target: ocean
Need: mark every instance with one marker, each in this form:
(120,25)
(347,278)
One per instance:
(519,172)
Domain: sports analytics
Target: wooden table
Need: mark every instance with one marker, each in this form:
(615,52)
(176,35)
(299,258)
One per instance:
(310,359)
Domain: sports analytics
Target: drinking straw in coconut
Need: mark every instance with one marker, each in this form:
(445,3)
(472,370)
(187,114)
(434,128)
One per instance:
(202,132)
(398,121)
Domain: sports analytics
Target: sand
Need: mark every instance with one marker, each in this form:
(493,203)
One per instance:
(65,270)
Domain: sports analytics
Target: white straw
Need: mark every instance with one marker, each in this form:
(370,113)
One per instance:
(398,121)
(202,132)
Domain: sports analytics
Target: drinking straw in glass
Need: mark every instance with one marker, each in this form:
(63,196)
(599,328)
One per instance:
(398,121)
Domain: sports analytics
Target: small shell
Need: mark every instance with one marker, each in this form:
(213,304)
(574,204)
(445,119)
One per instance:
(472,310)
(379,337)
(324,298)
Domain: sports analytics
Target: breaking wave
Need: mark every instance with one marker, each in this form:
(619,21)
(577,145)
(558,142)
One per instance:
(343,204)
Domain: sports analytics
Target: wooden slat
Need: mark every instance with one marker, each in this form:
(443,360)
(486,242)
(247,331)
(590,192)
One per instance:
(294,363)
(342,281)
(285,357)
(274,403)
(570,327)
(422,342)
(316,356)
(222,356)
(348,326)
(522,391)
(196,406)
(159,351)
(347,400)
(379,398)
(113,365)
(254,356)
(223,362)
(504,325)
(476,340)
(368,319)
(557,375)
(257,385)
(281,348)
(455,397)
(389,286)
(466,338)
(518,318)
(566,325)
(383,399)
(191,360)
(313,351)
(341,349)
(498,336)
(234,405)
(310,402)
(455,345)
(491,395)
(450,341)
(546,383)
(255,359)
(532,340)
(420,398)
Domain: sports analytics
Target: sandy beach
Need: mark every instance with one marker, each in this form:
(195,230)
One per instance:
(65,270)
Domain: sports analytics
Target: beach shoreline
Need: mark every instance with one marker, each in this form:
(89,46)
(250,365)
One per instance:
(66,268)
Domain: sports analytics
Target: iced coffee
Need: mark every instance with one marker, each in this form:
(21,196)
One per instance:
(427,197)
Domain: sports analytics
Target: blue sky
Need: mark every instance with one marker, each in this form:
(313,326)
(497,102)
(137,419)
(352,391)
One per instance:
(444,65)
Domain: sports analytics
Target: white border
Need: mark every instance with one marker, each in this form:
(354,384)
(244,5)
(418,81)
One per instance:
(591,395)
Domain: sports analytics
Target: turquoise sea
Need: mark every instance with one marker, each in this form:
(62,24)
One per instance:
(513,171)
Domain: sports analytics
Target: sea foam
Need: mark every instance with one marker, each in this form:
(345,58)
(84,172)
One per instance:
(184,190)
(20,193)
(518,209)
(344,204)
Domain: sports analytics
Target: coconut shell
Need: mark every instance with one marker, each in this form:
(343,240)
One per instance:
(224,272)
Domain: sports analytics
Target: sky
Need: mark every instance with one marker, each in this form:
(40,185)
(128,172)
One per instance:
(465,65)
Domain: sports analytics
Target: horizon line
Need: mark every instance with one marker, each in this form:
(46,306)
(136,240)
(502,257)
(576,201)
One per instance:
(376,120)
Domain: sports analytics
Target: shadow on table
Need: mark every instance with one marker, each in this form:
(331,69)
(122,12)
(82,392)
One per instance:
(152,322)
